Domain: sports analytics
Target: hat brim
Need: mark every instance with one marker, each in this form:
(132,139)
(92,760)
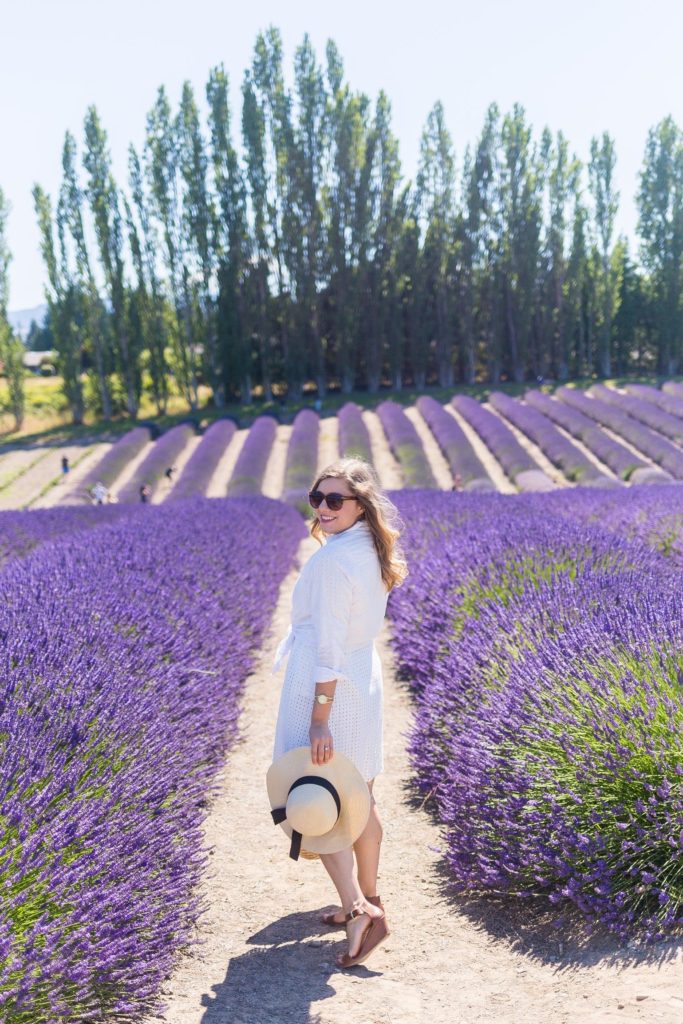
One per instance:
(344,776)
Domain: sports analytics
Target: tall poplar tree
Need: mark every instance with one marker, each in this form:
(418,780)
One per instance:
(660,225)
(103,197)
(521,189)
(197,221)
(241,320)
(163,176)
(70,213)
(143,245)
(436,199)
(11,347)
(275,110)
(60,296)
(606,205)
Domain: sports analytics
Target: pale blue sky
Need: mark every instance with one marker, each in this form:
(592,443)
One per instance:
(582,67)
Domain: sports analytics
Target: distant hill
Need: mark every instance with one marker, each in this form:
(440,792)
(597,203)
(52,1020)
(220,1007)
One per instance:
(21,318)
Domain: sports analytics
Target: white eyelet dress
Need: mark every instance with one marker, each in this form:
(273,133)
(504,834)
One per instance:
(338,606)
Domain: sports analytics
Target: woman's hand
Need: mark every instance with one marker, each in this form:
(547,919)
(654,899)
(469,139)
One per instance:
(321,743)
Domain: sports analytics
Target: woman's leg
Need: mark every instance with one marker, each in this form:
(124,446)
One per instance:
(340,866)
(367,848)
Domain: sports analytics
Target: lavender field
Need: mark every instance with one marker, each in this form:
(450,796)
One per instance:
(126,640)
(542,637)
(605,438)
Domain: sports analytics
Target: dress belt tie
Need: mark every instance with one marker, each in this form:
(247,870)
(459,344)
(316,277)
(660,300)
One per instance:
(285,645)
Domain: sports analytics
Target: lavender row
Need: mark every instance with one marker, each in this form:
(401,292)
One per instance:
(302,459)
(640,409)
(111,465)
(544,654)
(354,438)
(500,440)
(152,468)
(21,532)
(201,466)
(652,516)
(619,459)
(406,445)
(122,665)
(669,403)
(673,388)
(641,437)
(456,448)
(250,468)
(559,449)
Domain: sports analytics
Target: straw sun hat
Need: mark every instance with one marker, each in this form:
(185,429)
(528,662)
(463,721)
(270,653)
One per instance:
(322,807)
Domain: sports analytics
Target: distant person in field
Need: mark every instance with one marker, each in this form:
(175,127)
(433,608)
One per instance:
(331,700)
(100,493)
(65,465)
(145,493)
(457,482)
(169,472)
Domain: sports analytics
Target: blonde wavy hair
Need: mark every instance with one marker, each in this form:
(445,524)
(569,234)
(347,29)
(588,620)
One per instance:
(379,513)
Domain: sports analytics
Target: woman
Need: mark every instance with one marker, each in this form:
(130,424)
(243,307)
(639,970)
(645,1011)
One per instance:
(332,693)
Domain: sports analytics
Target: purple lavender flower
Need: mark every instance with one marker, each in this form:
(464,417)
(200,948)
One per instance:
(123,656)
(152,468)
(21,532)
(456,449)
(641,437)
(354,438)
(665,401)
(620,459)
(556,446)
(200,467)
(406,445)
(247,476)
(112,464)
(503,444)
(640,409)
(545,654)
(302,459)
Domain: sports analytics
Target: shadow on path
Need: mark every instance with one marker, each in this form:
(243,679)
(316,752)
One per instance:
(277,982)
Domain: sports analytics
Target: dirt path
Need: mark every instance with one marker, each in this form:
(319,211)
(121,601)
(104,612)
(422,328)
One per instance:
(264,958)
(387,467)
(130,469)
(14,464)
(437,463)
(164,487)
(68,491)
(274,475)
(218,485)
(488,460)
(41,475)
(328,441)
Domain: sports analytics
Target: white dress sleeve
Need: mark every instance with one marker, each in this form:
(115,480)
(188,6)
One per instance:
(331,593)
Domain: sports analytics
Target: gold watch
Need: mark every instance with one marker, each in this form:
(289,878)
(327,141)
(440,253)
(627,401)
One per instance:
(322,698)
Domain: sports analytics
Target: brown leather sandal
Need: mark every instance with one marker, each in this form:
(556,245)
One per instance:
(328,918)
(375,933)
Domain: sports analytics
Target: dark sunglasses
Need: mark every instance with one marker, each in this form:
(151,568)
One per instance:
(334,501)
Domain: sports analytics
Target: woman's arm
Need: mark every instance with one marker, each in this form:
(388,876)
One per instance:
(322,744)
(331,595)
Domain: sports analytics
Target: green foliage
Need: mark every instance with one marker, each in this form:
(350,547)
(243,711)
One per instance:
(308,261)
